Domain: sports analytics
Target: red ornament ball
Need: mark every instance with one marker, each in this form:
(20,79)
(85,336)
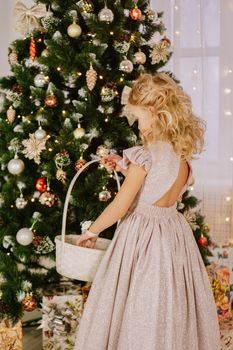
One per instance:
(202,241)
(135,13)
(51,101)
(41,184)
(29,303)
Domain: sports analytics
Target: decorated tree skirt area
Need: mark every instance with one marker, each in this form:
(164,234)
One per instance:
(62,309)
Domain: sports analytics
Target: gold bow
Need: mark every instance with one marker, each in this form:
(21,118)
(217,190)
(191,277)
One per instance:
(28,17)
(124,101)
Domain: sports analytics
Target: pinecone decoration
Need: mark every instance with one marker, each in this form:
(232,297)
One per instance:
(3,307)
(13,58)
(61,175)
(91,77)
(37,240)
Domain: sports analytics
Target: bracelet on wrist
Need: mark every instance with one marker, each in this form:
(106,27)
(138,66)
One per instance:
(91,234)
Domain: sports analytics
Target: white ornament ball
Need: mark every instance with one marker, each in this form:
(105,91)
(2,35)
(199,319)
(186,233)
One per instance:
(24,236)
(126,66)
(41,80)
(106,15)
(21,203)
(79,132)
(40,134)
(15,166)
(139,57)
(74,30)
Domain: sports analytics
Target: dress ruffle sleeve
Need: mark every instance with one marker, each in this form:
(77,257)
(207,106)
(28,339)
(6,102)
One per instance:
(136,155)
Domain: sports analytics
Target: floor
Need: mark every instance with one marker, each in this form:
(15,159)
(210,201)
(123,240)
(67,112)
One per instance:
(32,336)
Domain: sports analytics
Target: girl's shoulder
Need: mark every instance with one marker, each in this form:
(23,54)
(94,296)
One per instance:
(137,155)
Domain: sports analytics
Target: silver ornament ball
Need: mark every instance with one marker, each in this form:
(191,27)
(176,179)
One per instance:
(104,196)
(102,151)
(40,134)
(74,30)
(15,166)
(41,80)
(106,15)
(139,57)
(24,236)
(126,66)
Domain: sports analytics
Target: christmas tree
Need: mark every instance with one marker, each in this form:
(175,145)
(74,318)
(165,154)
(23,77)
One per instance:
(60,108)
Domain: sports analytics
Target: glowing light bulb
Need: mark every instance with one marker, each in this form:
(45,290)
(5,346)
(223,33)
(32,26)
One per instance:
(228,198)
(227,91)
(227,219)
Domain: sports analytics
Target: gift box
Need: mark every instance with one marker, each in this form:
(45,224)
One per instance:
(10,335)
(223,256)
(62,308)
(219,277)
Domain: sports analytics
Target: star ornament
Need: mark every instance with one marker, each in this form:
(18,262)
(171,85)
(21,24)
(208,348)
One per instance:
(33,148)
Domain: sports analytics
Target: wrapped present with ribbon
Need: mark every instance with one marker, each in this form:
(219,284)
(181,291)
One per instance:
(62,308)
(223,256)
(219,277)
(10,335)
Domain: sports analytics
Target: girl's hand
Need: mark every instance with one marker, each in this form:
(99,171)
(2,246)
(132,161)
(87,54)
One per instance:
(110,162)
(86,241)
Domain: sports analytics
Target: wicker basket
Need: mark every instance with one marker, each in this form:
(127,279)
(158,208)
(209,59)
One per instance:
(74,261)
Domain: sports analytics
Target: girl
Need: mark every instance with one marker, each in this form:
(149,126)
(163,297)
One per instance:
(151,290)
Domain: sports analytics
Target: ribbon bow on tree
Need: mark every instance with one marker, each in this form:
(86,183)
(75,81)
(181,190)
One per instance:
(28,17)
(124,100)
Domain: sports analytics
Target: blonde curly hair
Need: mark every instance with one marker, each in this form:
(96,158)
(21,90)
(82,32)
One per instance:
(173,119)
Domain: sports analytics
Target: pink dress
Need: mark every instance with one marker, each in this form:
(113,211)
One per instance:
(151,290)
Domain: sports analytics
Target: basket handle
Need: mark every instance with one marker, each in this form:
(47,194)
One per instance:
(65,209)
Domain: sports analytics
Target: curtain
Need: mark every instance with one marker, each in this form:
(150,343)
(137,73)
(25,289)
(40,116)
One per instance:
(200,32)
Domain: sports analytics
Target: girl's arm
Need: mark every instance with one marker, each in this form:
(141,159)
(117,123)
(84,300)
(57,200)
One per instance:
(119,206)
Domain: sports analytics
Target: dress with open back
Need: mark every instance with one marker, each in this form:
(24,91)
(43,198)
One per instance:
(151,290)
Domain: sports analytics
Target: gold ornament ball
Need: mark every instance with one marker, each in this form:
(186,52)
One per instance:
(13,58)
(85,6)
(79,132)
(51,101)
(79,164)
(74,30)
(47,198)
(207,228)
(29,303)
